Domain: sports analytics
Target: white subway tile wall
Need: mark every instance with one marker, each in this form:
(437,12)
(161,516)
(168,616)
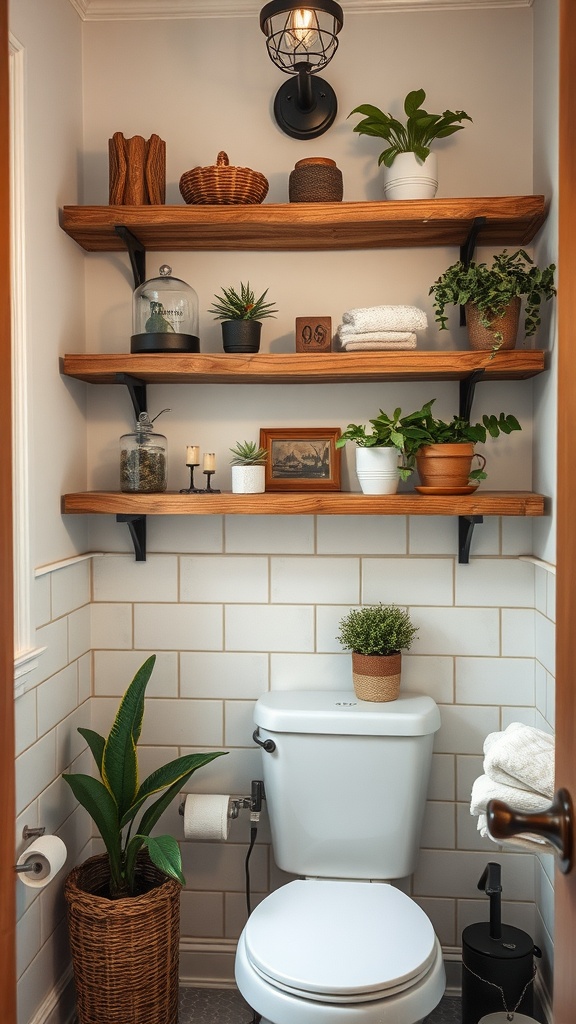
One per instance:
(254,603)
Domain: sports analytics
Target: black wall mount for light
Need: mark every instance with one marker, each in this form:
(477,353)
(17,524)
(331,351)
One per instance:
(301,41)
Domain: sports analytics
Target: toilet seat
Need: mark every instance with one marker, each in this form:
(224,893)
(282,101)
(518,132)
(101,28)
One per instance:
(340,941)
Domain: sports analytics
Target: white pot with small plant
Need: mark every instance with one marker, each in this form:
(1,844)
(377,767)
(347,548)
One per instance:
(241,314)
(377,453)
(410,168)
(376,635)
(248,468)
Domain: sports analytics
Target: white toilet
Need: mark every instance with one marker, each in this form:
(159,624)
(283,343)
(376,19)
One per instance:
(345,785)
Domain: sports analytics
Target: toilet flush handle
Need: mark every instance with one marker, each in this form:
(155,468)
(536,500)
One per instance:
(268,745)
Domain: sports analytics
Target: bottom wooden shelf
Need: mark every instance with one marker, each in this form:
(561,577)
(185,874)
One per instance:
(348,503)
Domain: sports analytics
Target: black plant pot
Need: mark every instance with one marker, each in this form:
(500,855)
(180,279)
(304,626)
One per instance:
(241,335)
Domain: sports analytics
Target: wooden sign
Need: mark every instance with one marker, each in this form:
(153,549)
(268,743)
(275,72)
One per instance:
(313,333)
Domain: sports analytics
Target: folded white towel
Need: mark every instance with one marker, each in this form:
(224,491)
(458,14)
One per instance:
(357,344)
(521,756)
(346,332)
(386,318)
(485,789)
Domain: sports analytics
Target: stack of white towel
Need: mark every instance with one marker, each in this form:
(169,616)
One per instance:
(519,769)
(378,327)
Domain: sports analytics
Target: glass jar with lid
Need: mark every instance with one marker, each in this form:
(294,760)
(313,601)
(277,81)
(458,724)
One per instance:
(143,458)
(165,315)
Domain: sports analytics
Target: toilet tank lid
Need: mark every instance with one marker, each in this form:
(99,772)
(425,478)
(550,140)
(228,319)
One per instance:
(341,712)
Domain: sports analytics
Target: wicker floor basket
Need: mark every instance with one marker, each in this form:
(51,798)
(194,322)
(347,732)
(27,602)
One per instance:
(376,677)
(223,184)
(125,951)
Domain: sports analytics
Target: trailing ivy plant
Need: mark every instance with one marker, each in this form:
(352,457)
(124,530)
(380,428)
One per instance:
(491,288)
(420,130)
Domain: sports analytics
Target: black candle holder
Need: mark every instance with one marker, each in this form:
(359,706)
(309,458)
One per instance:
(209,490)
(192,489)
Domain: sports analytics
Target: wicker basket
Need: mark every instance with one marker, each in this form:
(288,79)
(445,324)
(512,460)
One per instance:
(222,184)
(376,677)
(124,951)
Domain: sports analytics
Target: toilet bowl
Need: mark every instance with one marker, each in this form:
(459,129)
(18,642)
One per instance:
(339,952)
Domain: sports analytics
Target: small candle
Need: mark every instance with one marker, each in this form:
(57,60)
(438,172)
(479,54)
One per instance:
(192,455)
(209,462)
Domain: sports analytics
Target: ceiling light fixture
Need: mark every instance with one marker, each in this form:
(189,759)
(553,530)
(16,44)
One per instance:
(301,41)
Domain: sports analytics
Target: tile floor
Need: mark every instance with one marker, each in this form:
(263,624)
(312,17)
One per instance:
(226,1006)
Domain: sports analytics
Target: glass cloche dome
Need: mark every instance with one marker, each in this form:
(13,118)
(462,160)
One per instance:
(165,315)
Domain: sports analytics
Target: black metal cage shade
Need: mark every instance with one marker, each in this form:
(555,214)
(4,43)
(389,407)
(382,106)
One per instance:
(297,35)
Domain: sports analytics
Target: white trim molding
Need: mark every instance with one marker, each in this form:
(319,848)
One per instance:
(125,10)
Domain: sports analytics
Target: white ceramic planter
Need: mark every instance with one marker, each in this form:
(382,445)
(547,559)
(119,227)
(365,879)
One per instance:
(411,178)
(377,470)
(248,479)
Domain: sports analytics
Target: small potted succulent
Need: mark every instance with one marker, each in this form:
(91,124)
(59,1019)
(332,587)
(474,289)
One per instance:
(241,314)
(248,468)
(492,297)
(376,635)
(410,168)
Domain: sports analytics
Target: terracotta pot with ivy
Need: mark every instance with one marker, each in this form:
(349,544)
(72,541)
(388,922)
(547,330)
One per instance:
(376,635)
(492,297)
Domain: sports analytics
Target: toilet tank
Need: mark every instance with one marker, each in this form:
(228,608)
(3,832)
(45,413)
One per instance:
(346,784)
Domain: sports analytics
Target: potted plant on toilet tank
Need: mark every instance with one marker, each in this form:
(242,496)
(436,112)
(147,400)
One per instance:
(123,906)
(376,635)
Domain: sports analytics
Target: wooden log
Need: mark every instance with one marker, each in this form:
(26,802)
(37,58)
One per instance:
(137,170)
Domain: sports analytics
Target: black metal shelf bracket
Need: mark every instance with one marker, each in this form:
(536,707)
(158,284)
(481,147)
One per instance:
(137,526)
(136,390)
(136,252)
(466,526)
(467,388)
(467,251)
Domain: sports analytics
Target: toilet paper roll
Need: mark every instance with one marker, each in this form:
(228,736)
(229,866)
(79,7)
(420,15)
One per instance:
(47,854)
(206,817)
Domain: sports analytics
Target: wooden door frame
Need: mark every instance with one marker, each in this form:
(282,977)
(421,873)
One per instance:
(7,767)
(565,885)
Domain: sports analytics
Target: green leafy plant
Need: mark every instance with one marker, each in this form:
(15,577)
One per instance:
(247,453)
(244,306)
(420,130)
(114,800)
(411,432)
(491,288)
(377,629)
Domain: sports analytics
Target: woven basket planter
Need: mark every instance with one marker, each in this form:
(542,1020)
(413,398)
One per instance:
(223,184)
(376,677)
(124,951)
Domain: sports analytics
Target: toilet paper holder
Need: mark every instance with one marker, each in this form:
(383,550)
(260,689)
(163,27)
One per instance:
(34,865)
(234,807)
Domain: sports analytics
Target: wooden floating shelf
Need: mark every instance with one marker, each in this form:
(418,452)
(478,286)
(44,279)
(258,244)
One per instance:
(313,368)
(481,503)
(510,220)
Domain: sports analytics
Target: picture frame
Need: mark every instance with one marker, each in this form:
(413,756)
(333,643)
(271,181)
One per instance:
(301,458)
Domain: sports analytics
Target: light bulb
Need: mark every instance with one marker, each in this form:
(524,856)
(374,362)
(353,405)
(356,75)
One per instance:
(301,29)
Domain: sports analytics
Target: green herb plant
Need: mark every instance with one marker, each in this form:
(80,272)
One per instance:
(377,629)
(244,306)
(247,453)
(114,800)
(491,289)
(420,130)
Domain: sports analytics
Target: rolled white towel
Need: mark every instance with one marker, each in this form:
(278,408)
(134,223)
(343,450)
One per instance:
(386,318)
(485,789)
(521,756)
(357,344)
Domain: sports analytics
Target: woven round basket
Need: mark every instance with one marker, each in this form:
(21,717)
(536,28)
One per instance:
(480,337)
(376,677)
(315,179)
(223,184)
(124,951)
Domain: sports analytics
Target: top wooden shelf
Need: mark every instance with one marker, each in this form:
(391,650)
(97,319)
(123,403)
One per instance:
(510,220)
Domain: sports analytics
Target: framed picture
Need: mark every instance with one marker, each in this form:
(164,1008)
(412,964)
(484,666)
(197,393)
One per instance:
(301,458)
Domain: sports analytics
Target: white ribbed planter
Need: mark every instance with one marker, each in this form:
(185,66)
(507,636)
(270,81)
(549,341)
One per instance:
(411,178)
(377,470)
(248,479)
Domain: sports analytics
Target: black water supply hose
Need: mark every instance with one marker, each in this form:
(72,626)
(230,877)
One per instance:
(256,798)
